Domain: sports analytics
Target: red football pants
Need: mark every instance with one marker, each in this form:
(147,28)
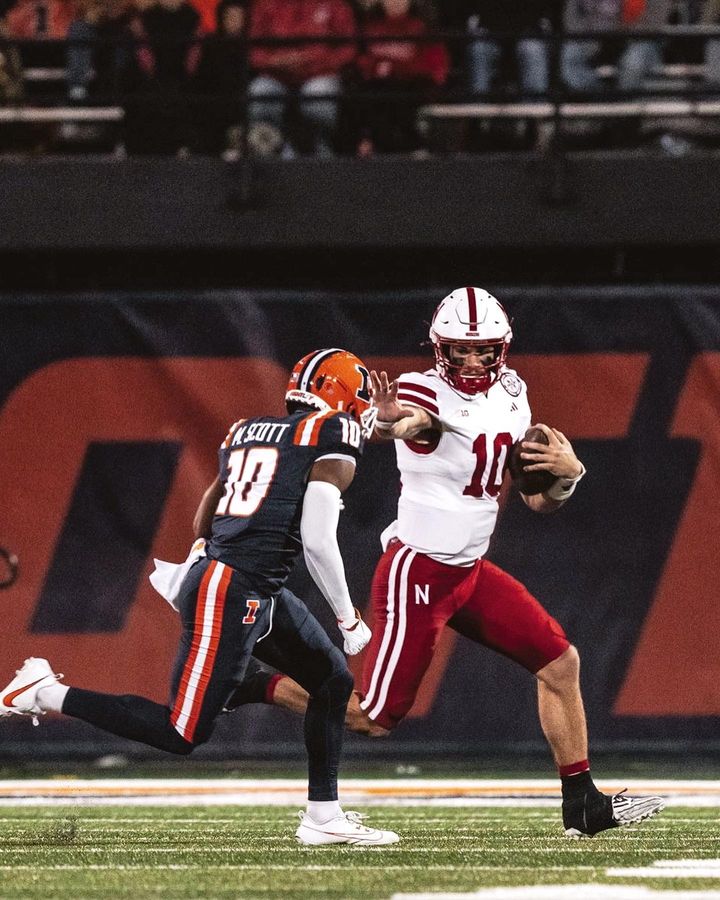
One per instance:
(414,597)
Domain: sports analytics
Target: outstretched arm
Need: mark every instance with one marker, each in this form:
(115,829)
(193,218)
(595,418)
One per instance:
(396,422)
(318,530)
(557,457)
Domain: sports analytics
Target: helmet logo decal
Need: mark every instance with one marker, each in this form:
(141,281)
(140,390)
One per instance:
(363,392)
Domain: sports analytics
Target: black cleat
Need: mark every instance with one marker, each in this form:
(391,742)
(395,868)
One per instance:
(596,812)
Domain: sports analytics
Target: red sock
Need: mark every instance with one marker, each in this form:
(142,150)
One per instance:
(575,768)
(271,685)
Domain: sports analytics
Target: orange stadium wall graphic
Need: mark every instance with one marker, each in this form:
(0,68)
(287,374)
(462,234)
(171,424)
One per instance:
(112,410)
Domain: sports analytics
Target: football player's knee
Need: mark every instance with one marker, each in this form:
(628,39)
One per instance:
(571,662)
(563,671)
(377,731)
(357,720)
(338,685)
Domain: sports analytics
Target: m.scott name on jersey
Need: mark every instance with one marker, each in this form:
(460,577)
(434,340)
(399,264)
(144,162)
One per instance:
(268,432)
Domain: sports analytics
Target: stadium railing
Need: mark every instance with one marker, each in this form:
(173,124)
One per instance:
(674,90)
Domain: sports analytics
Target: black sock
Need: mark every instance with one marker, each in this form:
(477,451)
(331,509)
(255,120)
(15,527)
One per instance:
(576,787)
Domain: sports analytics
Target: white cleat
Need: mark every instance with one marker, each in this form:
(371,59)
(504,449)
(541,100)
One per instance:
(347,828)
(631,810)
(20,696)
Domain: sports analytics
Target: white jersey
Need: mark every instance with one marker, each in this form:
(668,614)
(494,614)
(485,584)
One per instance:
(448,502)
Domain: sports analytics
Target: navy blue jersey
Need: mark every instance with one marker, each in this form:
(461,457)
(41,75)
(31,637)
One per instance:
(264,468)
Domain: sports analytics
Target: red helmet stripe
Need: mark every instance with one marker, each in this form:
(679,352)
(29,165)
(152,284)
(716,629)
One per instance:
(472,305)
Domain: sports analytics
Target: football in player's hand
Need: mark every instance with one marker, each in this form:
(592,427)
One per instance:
(529,483)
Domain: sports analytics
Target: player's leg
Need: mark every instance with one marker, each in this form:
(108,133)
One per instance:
(214,647)
(412,599)
(406,626)
(299,644)
(263,685)
(502,614)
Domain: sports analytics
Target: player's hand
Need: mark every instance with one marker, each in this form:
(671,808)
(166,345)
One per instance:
(356,634)
(384,393)
(557,456)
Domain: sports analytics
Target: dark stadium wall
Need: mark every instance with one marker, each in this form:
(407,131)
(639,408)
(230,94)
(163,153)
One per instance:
(590,200)
(111,409)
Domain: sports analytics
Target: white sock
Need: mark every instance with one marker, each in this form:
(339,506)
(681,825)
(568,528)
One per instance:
(321,811)
(52,697)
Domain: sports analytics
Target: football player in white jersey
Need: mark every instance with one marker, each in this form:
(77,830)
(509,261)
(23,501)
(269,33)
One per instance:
(454,427)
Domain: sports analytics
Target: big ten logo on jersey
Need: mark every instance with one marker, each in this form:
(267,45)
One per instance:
(351,433)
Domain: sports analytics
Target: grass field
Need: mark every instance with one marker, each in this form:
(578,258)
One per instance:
(222,851)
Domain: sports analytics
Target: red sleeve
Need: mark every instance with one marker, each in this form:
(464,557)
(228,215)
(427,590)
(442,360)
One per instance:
(343,25)
(436,62)
(143,53)
(192,58)
(326,57)
(261,26)
(429,61)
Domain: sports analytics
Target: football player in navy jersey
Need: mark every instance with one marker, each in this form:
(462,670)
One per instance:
(278,491)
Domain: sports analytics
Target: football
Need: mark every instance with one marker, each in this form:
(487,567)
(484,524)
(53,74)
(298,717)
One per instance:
(529,482)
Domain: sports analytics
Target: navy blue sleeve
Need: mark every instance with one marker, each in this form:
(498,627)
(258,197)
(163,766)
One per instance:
(340,435)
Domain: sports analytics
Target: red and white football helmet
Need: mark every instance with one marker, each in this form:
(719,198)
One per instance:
(333,379)
(470,316)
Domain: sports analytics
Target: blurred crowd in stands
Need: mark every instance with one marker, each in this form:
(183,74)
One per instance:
(235,77)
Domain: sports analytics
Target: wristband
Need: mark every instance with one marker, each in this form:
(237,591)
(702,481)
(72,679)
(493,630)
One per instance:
(563,487)
(384,426)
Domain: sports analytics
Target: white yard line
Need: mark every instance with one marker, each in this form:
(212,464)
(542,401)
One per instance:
(560,892)
(652,872)
(340,867)
(671,868)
